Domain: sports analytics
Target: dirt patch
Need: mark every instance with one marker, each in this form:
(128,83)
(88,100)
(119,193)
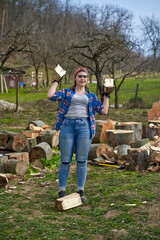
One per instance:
(112,214)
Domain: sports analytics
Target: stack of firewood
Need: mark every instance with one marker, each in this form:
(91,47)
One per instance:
(17,150)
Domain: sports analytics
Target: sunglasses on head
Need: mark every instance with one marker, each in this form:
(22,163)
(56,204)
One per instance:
(81,76)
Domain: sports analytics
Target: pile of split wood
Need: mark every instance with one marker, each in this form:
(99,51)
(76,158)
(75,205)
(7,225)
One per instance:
(17,150)
(121,143)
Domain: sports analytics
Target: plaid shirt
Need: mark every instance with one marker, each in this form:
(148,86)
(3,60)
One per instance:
(65,97)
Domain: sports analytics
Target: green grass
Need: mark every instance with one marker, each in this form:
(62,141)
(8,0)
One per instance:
(28,212)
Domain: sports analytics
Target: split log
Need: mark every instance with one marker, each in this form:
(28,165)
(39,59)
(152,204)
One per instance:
(30,134)
(16,167)
(140,143)
(101,127)
(154,154)
(38,164)
(36,129)
(155,122)
(137,160)
(68,202)
(42,150)
(37,123)
(3,181)
(154,113)
(16,141)
(19,156)
(119,137)
(51,137)
(3,161)
(135,126)
(105,151)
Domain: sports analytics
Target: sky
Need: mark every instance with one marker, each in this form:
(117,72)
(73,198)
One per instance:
(139,8)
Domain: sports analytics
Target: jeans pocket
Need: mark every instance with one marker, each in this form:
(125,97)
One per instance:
(65,122)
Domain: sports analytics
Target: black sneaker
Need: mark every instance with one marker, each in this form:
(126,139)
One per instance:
(82,195)
(61,194)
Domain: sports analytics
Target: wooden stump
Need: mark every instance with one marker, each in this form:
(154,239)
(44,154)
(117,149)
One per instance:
(42,150)
(154,113)
(68,202)
(3,181)
(135,126)
(16,141)
(3,161)
(137,160)
(96,138)
(51,137)
(119,137)
(16,167)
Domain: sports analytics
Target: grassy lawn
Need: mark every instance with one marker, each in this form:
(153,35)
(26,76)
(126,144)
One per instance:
(28,211)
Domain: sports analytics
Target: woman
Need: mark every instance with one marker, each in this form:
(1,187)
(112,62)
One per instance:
(76,118)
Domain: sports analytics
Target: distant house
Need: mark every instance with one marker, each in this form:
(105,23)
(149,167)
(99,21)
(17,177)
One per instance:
(12,76)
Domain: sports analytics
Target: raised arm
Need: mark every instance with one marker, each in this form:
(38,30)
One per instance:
(52,90)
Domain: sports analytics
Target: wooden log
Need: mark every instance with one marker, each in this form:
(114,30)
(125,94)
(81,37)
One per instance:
(31,143)
(51,137)
(37,123)
(154,154)
(30,134)
(154,113)
(36,129)
(140,143)
(3,181)
(101,127)
(3,161)
(19,156)
(92,151)
(68,202)
(16,167)
(138,159)
(119,137)
(3,139)
(104,150)
(155,122)
(135,126)
(152,131)
(42,150)
(123,151)
(16,141)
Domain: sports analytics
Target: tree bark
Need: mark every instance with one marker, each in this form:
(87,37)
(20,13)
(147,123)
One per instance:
(51,137)
(135,126)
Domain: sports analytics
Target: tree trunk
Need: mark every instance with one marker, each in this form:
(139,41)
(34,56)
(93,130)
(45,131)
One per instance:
(17,97)
(47,73)
(116,98)
(16,167)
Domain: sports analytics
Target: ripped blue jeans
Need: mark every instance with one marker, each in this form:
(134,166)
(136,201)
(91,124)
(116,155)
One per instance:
(74,134)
